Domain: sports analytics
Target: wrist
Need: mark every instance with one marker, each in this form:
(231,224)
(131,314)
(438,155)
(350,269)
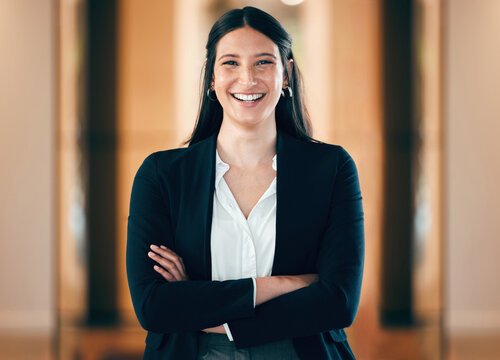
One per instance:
(270,287)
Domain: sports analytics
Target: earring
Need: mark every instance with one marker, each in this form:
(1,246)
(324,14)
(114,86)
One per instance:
(290,93)
(208,94)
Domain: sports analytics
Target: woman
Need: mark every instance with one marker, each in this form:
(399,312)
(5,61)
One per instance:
(249,243)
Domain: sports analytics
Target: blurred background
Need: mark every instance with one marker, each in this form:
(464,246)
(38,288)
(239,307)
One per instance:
(89,88)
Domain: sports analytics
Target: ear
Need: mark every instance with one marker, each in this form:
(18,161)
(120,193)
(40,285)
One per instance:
(213,75)
(289,65)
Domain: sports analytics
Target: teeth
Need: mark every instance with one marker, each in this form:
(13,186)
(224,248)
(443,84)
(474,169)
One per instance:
(245,97)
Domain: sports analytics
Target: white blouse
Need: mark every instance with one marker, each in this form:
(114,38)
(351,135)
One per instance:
(240,247)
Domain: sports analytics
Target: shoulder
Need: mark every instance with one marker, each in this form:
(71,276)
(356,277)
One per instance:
(329,154)
(342,162)
(170,157)
(170,160)
(162,159)
(166,157)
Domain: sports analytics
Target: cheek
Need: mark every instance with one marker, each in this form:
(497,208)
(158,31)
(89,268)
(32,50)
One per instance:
(222,79)
(273,80)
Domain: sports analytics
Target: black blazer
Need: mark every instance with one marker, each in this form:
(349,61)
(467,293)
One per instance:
(319,229)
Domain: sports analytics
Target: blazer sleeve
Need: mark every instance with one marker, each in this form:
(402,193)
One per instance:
(163,306)
(331,302)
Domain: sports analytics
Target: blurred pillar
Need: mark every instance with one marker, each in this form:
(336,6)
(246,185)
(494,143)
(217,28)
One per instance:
(401,143)
(101,131)
(146,110)
(428,219)
(412,246)
(472,173)
(72,164)
(319,66)
(28,62)
(190,27)
(343,80)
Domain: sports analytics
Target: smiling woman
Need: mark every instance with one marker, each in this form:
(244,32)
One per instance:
(248,77)
(268,50)
(228,253)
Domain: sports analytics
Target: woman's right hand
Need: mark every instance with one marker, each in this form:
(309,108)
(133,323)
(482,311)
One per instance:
(171,266)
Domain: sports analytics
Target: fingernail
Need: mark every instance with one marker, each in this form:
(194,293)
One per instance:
(151,253)
(156,267)
(163,247)
(154,247)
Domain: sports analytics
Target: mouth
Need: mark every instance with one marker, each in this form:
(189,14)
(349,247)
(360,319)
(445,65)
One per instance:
(248,98)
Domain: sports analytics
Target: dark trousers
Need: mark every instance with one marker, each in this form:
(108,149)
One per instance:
(217,346)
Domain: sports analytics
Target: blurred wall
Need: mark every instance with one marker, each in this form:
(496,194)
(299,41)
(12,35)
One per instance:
(146,106)
(27,93)
(472,164)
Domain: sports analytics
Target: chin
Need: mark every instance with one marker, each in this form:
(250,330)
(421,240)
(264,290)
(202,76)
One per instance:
(252,122)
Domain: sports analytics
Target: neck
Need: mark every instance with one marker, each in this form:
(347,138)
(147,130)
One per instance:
(247,148)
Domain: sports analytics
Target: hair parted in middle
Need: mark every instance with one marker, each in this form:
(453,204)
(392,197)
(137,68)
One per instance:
(291,113)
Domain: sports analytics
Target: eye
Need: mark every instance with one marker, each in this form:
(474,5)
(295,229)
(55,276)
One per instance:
(263,62)
(230,62)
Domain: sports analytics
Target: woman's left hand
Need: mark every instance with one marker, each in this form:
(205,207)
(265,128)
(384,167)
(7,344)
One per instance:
(171,265)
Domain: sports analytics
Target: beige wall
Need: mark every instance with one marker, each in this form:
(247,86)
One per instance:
(146,106)
(472,173)
(28,170)
(342,76)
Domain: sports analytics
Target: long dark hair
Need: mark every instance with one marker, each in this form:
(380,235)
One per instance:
(291,113)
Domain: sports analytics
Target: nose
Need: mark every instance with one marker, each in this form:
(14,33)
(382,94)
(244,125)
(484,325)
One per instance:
(246,77)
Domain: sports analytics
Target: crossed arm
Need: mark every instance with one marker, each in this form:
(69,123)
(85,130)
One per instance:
(171,267)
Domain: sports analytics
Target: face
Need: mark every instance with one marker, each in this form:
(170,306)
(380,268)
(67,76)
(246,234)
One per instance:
(248,76)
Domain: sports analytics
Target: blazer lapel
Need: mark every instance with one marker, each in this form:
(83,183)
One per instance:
(198,176)
(196,181)
(291,196)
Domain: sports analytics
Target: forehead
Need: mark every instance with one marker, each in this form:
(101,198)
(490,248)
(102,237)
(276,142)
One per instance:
(245,40)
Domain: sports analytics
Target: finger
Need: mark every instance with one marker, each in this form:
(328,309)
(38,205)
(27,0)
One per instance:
(176,259)
(166,253)
(166,264)
(180,259)
(166,275)
(184,269)
(170,255)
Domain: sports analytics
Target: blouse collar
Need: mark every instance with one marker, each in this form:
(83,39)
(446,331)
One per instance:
(221,167)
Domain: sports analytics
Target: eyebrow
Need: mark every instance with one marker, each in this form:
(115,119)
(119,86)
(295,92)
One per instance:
(258,55)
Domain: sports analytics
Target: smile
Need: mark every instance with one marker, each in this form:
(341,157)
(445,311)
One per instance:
(248,97)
